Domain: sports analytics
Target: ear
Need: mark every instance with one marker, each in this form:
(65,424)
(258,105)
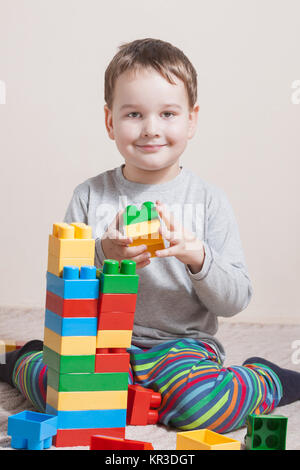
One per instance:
(109,122)
(193,120)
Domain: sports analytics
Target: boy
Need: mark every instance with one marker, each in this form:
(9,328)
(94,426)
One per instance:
(151,112)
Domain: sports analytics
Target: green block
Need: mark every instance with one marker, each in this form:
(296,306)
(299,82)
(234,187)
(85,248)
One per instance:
(115,281)
(68,364)
(94,382)
(266,432)
(132,215)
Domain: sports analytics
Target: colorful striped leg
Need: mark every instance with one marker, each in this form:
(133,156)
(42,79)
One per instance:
(198,392)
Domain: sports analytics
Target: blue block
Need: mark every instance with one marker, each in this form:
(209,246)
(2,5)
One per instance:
(86,326)
(32,430)
(89,419)
(73,288)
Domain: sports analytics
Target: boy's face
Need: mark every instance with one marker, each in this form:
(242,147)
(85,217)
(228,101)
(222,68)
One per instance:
(150,120)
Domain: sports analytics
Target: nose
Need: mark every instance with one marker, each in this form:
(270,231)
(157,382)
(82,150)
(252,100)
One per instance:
(150,127)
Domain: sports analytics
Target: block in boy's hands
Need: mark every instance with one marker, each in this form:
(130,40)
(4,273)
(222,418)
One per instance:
(143,227)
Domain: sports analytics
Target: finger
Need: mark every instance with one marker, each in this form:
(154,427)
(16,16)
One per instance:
(118,238)
(117,221)
(167,217)
(171,251)
(169,236)
(142,264)
(132,251)
(141,258)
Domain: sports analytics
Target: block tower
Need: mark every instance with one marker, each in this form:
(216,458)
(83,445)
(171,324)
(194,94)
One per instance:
(88,326)
(143,227)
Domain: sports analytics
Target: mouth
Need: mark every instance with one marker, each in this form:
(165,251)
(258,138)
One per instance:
(150,148)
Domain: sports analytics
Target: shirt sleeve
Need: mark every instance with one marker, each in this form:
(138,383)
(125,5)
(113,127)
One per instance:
(223,284)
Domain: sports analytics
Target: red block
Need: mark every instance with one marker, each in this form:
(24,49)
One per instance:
(108,362)
(115,321)
(71,307)
(107,443)
(82,437)
(141,404)
(117,302)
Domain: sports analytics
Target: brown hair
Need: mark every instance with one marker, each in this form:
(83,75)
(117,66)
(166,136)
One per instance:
(161,56)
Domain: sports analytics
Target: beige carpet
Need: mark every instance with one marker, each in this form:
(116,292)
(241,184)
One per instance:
(274,342)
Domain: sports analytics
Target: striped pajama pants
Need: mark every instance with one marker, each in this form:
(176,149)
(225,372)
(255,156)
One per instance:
(197,391)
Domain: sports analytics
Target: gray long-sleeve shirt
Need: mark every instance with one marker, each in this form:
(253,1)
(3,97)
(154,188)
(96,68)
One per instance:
(173,302)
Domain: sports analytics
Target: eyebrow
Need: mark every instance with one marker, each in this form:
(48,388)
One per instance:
(170,105)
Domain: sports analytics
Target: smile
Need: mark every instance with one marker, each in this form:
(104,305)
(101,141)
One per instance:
(150,148)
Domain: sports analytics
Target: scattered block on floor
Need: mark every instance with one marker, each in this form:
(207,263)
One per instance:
(31,430)
(113,443)
(205,439)
(141,406)
(82,437)
(266,432)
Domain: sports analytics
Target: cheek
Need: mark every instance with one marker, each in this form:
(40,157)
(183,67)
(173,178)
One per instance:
(126,131)
(177,131)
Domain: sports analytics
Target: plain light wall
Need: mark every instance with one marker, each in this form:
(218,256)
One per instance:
(53,55)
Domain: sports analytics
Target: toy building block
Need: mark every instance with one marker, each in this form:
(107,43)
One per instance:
(205,439)
(141,405)
(97,400)
(88,419)
(70,244)
(111,361)
(115,281)
(116,321)
(66,308)
(87,382)
(266,432)
(8,345)
(143,227)
(69,364)
(31,430)
(114,339)
(132,215)
(69,345)
(125,303)
(75,285)
(82,437)
(70,326)
(113,443)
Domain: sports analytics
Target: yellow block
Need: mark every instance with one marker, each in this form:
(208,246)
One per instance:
(114,339)
(142,228)
(70,231)
(56,264)
(70,345)
(7,345)
(71,248)
(205,439)
(75,401)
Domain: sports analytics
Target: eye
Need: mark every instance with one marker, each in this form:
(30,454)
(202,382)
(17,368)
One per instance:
(168,112)
(134,112)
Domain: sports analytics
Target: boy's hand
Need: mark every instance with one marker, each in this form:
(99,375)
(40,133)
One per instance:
(183,244)
(115,245)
